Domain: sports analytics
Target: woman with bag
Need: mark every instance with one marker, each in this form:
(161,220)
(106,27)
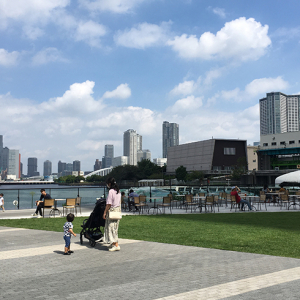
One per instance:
(112,215)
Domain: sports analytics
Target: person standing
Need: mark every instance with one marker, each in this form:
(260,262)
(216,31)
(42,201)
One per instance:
(40,203)
(68,230)
(2,202)
(113,203)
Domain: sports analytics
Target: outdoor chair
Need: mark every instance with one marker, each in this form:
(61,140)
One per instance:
(228,200)
(166,203)
(261,200)
(284,201)
(70,204)
(174,201)
(190,203)
(209,202)
(233,203)
(48,204)
(216,201)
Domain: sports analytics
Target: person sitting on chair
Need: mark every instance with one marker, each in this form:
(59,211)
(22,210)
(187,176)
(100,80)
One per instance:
(267,190)
(234,192)
(131,196)
(40,203)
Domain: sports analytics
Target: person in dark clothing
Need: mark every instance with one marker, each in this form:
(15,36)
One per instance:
(40,203)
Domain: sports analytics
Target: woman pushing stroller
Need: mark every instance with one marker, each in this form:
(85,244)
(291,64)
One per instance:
(113,203)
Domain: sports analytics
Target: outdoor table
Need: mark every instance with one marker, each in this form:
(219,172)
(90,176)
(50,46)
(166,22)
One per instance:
(250,198)
(154,207)
(294,198)
(274,194)
(55,209)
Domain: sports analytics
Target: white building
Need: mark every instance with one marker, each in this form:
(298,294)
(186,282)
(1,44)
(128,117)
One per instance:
(279,113)
(143,154)
(120,161)
(160,161)
(132,143)
(13,163)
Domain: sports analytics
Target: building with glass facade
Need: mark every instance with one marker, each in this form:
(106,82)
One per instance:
(132,143)
(170,136)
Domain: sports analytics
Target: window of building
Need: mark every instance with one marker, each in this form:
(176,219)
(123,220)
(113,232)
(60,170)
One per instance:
(282,143)
(265,144)
(291,142)
(254,160)
(274,144)
(229,151)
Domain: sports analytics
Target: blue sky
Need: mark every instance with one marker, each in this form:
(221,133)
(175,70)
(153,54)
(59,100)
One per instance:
(76,74)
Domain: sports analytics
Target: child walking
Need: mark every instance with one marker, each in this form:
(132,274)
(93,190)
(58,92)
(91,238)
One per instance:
(68,230)
(2,202)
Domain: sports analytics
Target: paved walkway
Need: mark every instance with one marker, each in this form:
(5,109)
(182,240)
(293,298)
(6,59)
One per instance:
(33,267)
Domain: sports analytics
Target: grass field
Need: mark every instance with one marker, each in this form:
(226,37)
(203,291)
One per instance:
(264,233)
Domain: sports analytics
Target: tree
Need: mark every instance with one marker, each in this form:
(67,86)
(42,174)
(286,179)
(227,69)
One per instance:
(181,173)
(195,175)
(240,168)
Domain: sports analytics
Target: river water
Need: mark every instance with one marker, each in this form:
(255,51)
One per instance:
(28,194)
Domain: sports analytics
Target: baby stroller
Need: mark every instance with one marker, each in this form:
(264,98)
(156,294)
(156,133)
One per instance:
(91,226)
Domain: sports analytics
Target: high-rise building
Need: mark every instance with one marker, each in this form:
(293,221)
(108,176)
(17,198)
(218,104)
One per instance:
(109,151)
(32,167)
(170,136)
(47,168)
(13,163)
(106,162)
(76,165)
(1,152)
(108,156)
(97,165)
(5,154)
(132,142)
(69,167)
(279,113)
(143,154)
(61,166)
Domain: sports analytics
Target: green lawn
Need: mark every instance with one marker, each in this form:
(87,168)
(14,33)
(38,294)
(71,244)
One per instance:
(265,233)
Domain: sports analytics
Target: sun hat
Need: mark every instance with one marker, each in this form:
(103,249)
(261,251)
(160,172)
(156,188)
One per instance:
(233,187)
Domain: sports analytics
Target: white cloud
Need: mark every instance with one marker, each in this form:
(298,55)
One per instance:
(30,11)
(266,85)
(184,88)
(115,6)
(121,92)
(257,87)
(48,55)
(188,104)
(77,99)
(241,39)
(143,35)
(8,58)
(90,32)
(32,32)
(219,11)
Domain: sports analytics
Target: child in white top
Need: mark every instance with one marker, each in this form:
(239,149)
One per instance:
(68,230)
(2,202)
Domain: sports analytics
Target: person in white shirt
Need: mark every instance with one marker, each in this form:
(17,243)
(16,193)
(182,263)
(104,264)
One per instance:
(2,202)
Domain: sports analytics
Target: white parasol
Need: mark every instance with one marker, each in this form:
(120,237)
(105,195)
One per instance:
(292,178)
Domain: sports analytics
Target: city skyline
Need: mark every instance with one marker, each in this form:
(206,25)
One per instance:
(77,74)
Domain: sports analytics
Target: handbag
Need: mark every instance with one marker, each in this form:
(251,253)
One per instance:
(114,215)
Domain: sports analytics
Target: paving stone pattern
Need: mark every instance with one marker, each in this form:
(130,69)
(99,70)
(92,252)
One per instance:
(33,267)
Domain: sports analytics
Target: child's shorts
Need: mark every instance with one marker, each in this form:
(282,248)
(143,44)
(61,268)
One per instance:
(67,240)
